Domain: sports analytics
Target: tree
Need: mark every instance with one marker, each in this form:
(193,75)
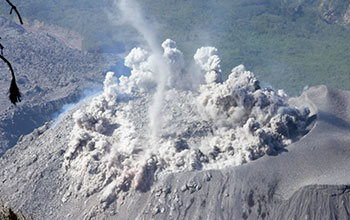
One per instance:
(14,93)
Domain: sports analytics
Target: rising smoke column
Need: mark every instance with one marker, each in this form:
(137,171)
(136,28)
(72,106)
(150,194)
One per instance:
(132,14)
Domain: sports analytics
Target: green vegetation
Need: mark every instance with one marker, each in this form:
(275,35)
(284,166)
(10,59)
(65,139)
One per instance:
(287,43)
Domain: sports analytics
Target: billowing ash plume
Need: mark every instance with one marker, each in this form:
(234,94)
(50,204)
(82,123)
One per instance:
(211,126)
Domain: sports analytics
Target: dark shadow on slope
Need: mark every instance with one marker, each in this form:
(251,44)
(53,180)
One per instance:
(333,120)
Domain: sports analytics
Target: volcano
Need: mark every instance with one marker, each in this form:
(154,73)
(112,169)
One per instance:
(188,145)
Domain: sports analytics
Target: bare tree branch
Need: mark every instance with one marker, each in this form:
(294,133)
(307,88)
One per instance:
(1,49)
(15,95)
(13,7)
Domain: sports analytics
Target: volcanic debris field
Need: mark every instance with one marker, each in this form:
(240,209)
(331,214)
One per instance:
(174,138)
(197,157)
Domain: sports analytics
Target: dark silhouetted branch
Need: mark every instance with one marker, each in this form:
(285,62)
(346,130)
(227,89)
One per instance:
(15,95)
(1,49)
(13,7)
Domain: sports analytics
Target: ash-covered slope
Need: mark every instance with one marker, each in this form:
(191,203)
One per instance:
(49,75)
(155,147)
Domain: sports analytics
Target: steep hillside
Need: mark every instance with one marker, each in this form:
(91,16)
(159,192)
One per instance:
(49,75)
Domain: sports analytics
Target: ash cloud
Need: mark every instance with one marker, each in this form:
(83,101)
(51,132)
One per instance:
(211,125)
(165,117)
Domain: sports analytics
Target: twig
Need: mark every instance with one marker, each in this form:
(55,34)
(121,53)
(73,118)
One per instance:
(1,49)
(13,7)
(8,64)
(15,95)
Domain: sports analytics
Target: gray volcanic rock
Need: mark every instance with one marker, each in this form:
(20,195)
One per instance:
(309,180)
(49,75)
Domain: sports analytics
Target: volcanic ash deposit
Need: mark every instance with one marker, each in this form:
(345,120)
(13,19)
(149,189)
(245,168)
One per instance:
(138,130)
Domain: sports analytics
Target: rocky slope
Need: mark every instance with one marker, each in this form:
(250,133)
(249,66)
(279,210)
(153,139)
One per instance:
(307,180)
(49,75)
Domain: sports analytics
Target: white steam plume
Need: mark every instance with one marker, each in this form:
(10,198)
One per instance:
(132,14)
